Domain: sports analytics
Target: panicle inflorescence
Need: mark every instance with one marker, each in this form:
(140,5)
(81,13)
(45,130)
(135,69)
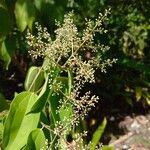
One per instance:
(38,43)
(68,48)
(77,53)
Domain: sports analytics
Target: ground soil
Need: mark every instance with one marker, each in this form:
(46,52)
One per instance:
(136,134)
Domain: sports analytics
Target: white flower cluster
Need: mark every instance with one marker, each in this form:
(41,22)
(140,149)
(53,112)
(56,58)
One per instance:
(69,47)
(78,53)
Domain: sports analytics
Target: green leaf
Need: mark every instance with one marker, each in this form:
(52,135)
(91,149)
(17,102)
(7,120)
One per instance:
(146,96)
(7,49)
(5,25)
(45,93)
(3,103)
(36,140)
(129,101)
(38,4)
(25,14)
(34,79)
(137,65)
(11,44)
(65,110)
(97,134)
(2,4)
(138,93)
(65,114)
(2,119)
(19,124)
(1,129)
(105,147)
(148,101)
(44,118)
(42,98)
(5,55)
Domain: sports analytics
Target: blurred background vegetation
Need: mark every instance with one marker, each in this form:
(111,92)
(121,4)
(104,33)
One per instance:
(124,89)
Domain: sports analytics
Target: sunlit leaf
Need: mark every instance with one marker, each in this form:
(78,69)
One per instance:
(36,140)
(34,79)
(19,124)
(25,14)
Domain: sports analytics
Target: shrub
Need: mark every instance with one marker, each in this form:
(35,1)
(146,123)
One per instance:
(53,106)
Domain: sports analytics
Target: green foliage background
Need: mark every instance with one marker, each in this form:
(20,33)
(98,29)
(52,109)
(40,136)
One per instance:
(128,37)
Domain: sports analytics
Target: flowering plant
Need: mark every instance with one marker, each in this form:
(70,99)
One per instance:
(53,100)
